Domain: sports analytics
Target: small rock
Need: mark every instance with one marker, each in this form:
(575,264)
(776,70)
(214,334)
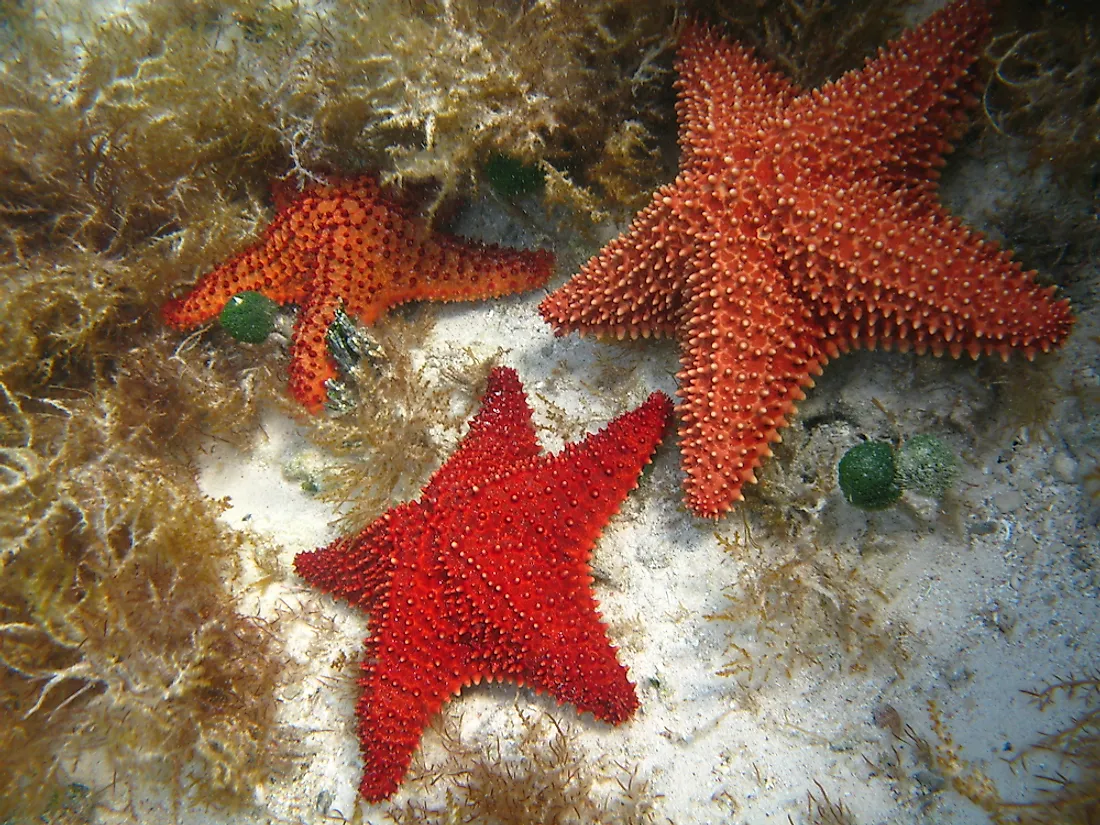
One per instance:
(957,675)
(931,781)
(983,528)
(1064,467)
(926,464)
(1026,545)
(1009,501)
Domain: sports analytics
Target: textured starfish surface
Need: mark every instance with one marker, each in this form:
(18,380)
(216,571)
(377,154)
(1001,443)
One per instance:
(344,244)
(486,576)
(803,224)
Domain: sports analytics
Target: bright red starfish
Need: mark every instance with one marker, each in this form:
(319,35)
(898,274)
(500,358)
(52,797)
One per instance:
(804,224)
(343,244)
(486,576)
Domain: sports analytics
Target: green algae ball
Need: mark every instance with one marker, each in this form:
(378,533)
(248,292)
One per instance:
(927,465)
(867,476)
(249,317)
(509,177)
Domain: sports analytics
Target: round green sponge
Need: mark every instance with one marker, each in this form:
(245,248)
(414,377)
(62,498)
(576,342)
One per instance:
(927,465)
(867,476)
(249,317)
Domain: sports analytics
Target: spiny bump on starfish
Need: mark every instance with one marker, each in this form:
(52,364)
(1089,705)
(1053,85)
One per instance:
(344,244)
(801,225)
(486,576)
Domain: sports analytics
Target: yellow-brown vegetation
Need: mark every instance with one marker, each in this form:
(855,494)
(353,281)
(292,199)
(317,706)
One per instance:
(427,91)
(119,641)
(544,778)
(1067,791)
(824,811)
(801,606)
(811,41)
(1070,792)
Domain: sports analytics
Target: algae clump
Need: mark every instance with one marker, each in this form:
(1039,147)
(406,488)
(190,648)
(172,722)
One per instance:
(868,476)
(249,317)
(925,464)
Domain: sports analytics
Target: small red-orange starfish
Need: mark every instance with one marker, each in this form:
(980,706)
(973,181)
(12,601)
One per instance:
(344,244)
(804,224)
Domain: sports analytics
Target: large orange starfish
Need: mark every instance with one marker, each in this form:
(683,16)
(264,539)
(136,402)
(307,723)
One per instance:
(803,224)
(344,244)
(486,576)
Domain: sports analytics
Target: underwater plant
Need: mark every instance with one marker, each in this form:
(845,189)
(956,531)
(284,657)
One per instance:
(133,150)
(544,777)
(1045,65)
(811,41)
(1070,793)
(795,607)
(118,635)
(534,82)
(824,811)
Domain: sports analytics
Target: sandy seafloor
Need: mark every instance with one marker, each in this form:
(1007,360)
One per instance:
(970,601)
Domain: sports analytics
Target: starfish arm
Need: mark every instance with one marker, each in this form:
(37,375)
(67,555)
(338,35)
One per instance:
(540,626)
(571,657)
(632,286)
(311,365)
(446,268)
(439,268)
(748,350)
(523,565)
(589,479)
(358,568)
(531,598)
(391,720)
(278,266)
(376,256)
(412,666)
(575,492)
(911,275)
(342,244)
(724,97)
(500,436)
(901,112)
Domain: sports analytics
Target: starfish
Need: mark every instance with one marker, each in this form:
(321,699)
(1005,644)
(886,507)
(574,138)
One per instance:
(344,244)
(803,224)
(486,576)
